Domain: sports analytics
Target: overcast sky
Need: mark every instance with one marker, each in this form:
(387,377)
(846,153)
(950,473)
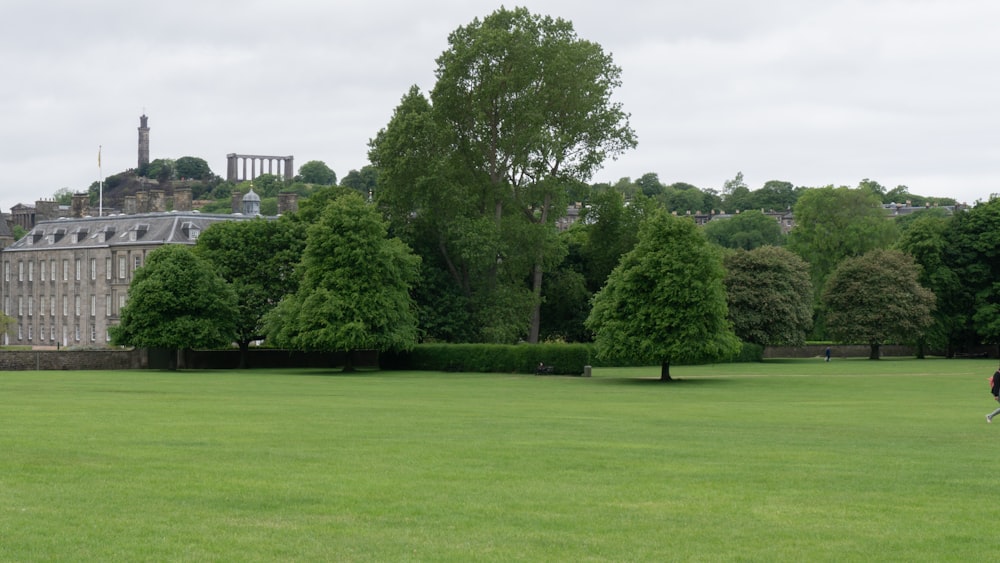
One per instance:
(814,92)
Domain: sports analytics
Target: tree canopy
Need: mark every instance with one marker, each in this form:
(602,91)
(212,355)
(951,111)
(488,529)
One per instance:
(192,168)
(973,255)
(364,181)
(354,291)
(877,298)
(317,172)
(521,113)
(665,302)
(832,224)
(257,258)
(769,295)
(747,230)
(177,301)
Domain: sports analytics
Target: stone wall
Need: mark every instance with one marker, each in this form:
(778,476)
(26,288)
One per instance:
(836,351)
(21,360)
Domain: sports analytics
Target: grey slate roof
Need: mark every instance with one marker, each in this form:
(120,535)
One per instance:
(119,230)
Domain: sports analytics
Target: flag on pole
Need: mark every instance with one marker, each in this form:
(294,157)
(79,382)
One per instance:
(98,156)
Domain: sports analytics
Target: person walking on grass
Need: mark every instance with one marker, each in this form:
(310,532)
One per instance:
(828,353)
(995,390)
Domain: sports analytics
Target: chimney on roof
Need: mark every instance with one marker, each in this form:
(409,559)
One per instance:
(182,199)
(157,203)
(288,202)
(80,201)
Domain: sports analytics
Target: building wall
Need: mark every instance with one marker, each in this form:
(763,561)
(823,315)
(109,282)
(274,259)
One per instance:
(66,282)
(67,297)
(21,360)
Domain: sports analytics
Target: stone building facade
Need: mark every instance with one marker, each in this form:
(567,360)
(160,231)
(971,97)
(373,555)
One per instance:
(66,282)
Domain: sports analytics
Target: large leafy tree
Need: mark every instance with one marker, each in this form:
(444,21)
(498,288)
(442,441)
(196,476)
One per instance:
(471,286)
(610,228)
(877,298)
(523,109)
(317,172)
(355,287)
(257,258)
(665,302)
(923,236)
(747,230)
(973,254)
(177,301)
(775,194)
(769,295)
(364,180)
(832,224)
(192,168)
(684,198)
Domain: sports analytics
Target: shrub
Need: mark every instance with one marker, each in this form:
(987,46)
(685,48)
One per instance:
(564,359)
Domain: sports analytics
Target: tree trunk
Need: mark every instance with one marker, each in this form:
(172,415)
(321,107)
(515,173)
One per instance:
(536,278)
(536,307)
(665,371)
(874,353)
(244,355)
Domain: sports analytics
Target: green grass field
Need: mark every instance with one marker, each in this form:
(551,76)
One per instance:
(781,461)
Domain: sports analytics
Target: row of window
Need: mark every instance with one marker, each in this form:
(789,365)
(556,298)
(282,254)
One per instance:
(27,269)
(52,333)
(49,305)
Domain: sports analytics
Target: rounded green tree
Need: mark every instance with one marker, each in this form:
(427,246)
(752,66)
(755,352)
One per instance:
(770,296)
(665,301)
(877,298)
(355,287)
(177,301)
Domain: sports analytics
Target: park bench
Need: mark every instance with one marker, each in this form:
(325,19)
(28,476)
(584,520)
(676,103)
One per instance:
(543,369)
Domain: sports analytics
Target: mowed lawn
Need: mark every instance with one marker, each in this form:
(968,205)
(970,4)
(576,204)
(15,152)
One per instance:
(787,460)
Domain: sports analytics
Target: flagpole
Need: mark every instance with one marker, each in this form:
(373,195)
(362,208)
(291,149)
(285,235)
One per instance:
(100,185)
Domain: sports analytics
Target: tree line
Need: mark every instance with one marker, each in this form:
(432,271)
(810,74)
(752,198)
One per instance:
(455,239)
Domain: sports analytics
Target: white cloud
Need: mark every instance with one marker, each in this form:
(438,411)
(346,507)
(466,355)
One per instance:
(812,92)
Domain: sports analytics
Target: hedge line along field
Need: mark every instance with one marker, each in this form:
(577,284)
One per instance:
(786,460)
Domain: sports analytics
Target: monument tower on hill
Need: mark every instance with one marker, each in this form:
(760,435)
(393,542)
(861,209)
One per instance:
(143,142)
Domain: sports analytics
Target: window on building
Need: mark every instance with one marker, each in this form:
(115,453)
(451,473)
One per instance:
(107,335)
(138,262)
(6,305)
(65,270)
(65,305)
(41,305)
(77,278)
(20,270)
(107,268)
(20,306)
(121,302)
(93,333)
(20,335)
(31,270)
(31,306)
(41,333)
(6,271)
(52,270)
(93,305)
(41,270)
(121,267)
(76,305)
(107,305)
(77,329)
(52,308)
(30,332)
(93,268)
(52,333)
